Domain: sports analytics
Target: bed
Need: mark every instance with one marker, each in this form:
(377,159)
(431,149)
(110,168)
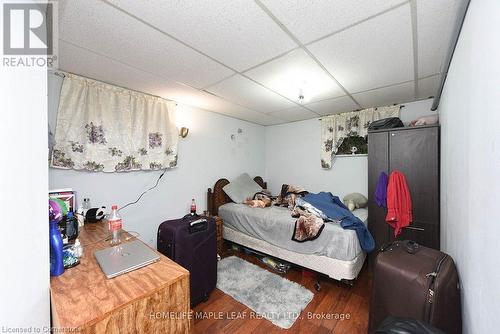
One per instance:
(336,252)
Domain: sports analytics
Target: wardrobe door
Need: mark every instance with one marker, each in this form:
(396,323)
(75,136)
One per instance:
(378,161)
(415,152)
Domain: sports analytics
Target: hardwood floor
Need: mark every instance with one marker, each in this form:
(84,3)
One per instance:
(223,314)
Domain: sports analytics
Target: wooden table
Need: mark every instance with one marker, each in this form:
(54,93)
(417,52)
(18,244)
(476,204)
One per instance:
(153,299)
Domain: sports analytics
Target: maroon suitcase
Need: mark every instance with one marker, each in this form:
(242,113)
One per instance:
(415,282)
(194,247)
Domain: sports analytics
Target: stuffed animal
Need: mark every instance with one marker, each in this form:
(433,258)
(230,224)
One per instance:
(258,203)
(355,201)
(262,199)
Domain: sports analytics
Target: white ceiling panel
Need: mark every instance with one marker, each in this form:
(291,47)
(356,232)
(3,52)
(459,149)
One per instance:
(294,114)
(80,61)
(367,44)
(309,20)
(258,118)
(333,106)
(93,65)
(296,71)
(241,90)
(386,96)
(237,32)
(375,53)
(99,27)
(436,21)
(210,102)
(428,87)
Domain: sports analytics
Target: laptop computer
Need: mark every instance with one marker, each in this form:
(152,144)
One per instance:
(125,257)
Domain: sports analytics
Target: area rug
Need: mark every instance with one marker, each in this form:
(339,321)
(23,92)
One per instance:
(269,295)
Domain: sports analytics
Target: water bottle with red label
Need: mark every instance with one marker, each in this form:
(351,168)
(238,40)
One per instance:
(193,207)
(115,225)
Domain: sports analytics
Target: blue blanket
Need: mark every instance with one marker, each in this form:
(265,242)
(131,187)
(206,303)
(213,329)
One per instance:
(334,209)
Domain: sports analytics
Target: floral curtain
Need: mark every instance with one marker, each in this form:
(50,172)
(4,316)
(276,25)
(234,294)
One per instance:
(105,128)
(335,128)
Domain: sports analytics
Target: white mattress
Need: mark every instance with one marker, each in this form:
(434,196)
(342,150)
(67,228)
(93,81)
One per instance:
(275,226)
(334,268)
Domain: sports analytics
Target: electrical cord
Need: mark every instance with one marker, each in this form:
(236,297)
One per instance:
(123,207)
(140,196)
(146,191)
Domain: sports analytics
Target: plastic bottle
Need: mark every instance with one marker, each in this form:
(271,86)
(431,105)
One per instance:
(115,224)
(193,207)
(86,205)
(78,248)
(80,216)
(71,226)
(56,250)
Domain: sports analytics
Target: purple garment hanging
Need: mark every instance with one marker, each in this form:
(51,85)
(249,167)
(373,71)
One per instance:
(381,190)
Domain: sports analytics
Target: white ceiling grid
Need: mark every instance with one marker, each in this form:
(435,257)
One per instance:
(252,59)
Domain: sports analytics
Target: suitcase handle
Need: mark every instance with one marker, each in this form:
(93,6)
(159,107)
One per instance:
(198,226)
(189,215)
(410,246)
(198,221)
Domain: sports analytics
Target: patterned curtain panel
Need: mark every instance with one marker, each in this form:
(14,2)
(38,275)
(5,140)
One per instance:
(336,128)
(104,128)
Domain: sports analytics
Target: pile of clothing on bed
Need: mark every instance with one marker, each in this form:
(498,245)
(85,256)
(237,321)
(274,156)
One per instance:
(313,211)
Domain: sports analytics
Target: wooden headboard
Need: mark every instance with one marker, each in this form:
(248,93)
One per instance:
(217,196)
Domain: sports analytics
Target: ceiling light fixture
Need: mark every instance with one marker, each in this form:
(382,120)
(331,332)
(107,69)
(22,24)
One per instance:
(302,97)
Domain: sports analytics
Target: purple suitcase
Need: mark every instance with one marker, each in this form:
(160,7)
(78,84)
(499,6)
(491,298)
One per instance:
(194,247)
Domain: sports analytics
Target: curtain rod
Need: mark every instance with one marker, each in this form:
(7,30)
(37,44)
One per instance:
(62,74)
(400,106)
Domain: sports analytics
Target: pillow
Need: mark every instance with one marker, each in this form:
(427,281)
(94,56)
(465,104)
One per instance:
(241,188)
(355,201)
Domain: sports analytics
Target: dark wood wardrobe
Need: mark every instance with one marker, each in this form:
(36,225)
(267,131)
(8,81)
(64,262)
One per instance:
(414,151)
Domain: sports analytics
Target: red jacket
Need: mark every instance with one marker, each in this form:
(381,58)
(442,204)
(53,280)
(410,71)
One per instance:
(398,202)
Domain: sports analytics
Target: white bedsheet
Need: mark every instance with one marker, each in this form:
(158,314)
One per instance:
(275,225)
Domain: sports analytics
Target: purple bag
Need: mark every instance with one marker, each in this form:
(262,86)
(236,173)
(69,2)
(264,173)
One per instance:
(194,247)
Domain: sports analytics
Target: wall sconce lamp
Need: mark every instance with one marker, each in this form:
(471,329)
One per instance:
(183,132)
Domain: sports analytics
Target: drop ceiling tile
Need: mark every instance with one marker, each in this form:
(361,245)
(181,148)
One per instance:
(241,90)
(99,27)
(263,119)
(213,103)
(237,32)
(83,62)
(386,96)
(428,87)
(333,106)
(436,21)
(293,72)
(309,20)
(375,53)
(294,114)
